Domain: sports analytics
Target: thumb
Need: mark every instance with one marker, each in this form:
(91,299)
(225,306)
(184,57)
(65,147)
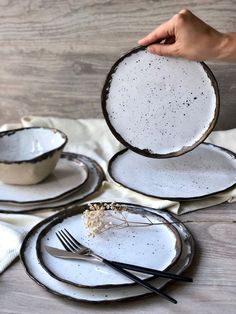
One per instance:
(162,50)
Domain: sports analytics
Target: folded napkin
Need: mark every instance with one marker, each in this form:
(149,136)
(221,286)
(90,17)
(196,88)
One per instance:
(92,138)
(13,228)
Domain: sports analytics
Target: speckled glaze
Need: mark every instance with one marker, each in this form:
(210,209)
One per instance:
(40,276)
(157,246)
(205,171)
(69,174)
(29,155)
(157,106)
(92,184)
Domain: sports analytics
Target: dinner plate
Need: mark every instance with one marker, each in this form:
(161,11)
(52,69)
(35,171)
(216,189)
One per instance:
(205,171)
(92,184)
(70,173)
(159,106)
(150,241)
(40,276)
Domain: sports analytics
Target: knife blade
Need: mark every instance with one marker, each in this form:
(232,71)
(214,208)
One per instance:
(77,256)
(73,255)
(67,255)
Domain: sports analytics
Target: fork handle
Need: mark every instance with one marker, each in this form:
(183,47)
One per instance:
(151,271)
(138,280)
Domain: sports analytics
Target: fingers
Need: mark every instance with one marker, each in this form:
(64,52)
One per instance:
(163,49)
(166,29)
(160,33)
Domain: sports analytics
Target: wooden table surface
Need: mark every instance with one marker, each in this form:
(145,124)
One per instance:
(54,58)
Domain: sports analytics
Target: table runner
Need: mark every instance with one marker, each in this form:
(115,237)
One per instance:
(93,138)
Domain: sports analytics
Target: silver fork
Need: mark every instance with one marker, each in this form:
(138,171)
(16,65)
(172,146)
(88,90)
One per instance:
(81,251)
(72,245)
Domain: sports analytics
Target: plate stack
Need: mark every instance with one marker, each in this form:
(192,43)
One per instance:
(162,109)
(74,178)
(153,239)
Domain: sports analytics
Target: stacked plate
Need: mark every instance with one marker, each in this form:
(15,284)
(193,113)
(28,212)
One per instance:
(162,243)
(74,178)
(162,109)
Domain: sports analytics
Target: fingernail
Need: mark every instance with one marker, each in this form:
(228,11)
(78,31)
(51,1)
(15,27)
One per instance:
(140,41)
(149,49)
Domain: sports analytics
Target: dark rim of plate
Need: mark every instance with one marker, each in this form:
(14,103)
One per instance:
(41,157)
(145,152)
(188,239)
(232,154)
(78,211)
(84,160)
(63,156)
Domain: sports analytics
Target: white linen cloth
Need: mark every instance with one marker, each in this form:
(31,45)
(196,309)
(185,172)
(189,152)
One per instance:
(92,138)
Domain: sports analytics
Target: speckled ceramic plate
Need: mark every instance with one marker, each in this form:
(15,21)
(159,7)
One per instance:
(205,171)
(70,173)
(92,184)
(155,246)
(158,106)
(40,276)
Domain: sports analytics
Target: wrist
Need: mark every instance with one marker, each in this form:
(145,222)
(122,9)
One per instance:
(226,50)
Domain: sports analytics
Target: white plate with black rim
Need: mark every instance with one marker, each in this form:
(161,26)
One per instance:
(205,171)
(69,174)
(92,184)
(40,276)
(150,241)
(158,106)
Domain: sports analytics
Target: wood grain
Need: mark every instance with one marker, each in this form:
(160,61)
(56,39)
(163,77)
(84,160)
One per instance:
(55,54)
(213,290)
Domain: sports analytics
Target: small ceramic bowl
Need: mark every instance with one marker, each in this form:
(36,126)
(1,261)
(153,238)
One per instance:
(29,155)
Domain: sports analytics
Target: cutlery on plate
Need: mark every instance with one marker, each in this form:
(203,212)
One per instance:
(80,255)
(72,245)
(75,250)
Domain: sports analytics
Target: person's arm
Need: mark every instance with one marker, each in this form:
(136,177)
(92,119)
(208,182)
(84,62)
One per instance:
(186,36)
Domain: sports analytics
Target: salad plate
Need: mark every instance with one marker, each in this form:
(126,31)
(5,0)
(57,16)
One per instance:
(158,106)
(149,241)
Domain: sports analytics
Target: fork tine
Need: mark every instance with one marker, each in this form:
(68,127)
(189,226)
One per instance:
(73,239)
(79,246)
(62,242)
(66,241)
(71,244)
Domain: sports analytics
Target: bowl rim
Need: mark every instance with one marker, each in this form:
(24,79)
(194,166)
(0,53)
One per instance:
(40,157)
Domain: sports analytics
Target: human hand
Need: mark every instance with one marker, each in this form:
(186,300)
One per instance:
(186,36)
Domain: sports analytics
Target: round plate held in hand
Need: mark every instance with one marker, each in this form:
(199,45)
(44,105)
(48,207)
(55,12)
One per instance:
(157,106)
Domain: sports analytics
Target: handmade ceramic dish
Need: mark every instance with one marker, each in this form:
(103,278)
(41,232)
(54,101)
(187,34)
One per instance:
(40,276)
(29,155)
(69,175)
(158,106)
(91,185)
(206,170)
(156,245)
